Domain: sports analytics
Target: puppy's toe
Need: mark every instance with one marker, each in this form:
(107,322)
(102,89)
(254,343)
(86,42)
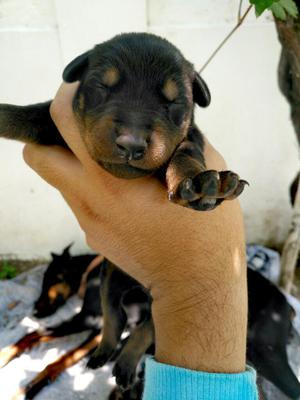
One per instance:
(207,183)
(186,190)
(204,204)
(99,358)
(124,375)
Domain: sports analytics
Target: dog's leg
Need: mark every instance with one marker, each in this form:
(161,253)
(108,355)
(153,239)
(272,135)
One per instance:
(113,285)
(90,316)
(191,184)
(52,371)
(28,341)
(134,393)
(29,124)
(272,364)
(140,339)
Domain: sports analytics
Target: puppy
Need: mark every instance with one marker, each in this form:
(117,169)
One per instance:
(269,327)
(61,280)
(134,107)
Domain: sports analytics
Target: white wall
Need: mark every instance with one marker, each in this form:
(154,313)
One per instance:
(248,120)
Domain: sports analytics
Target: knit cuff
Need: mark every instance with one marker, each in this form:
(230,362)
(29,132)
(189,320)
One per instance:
(167,382)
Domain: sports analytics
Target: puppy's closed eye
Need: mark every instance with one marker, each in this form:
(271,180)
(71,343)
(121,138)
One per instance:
(93,95)
(176,112)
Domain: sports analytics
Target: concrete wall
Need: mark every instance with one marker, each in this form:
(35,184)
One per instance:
(248,120)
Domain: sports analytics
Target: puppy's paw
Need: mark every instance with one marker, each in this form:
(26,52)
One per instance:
(208,189)
(100,357)
(124,374)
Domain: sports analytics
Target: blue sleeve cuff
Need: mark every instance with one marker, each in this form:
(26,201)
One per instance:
(167,382)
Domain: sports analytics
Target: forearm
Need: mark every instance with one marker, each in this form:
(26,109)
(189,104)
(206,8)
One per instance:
(202,325)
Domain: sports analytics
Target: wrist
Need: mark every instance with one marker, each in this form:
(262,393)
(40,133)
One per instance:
(203,330)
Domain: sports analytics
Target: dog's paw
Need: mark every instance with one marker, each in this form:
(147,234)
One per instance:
(124,374)
(208,189)
(100,357)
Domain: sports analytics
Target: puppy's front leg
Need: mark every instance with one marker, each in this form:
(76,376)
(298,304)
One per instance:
(29,124)
(113,285)
(191,184)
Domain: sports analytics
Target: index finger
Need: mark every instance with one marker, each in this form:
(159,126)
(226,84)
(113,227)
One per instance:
(62,113)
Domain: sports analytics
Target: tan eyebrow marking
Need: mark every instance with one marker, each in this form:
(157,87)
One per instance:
(111,76)
(170,90)
(59,288)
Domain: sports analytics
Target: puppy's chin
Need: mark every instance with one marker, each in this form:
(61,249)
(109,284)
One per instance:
(125,171)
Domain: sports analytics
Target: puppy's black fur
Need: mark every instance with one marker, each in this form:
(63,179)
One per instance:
(269,327)
(61,280)
(134,107)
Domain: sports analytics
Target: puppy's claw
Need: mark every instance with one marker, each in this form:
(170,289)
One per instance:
(245,182)
(239,189)
(124,375)
(171,196)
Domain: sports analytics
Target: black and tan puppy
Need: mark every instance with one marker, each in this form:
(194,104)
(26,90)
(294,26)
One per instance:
(134,106)
(269,327)
(119,294)
(61,280)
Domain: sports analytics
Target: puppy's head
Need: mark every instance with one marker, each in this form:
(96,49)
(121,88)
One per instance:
(135,102)
(56,286)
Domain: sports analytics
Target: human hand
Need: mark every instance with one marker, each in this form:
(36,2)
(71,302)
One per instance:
(192,262)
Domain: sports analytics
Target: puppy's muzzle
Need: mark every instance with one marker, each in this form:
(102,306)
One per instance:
(131,147)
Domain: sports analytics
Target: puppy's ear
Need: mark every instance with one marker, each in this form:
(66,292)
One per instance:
(201,93)
(66,251)
(75,69)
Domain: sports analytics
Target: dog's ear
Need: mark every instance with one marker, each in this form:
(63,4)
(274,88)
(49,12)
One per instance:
(75,69)
(201,93)
(66,251)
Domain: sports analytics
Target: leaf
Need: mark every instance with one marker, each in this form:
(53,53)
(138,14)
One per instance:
(7,271)
(261,5)
(278,11)
(290,7)
(280,8)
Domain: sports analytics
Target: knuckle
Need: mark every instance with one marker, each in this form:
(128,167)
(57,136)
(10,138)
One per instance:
(55,111)
(90,242)
(89,211)
(28,154)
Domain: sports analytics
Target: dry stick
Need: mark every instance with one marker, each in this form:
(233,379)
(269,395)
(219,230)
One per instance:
(52,371)
(291,247)
(30,340)
(240,11)
(239,23)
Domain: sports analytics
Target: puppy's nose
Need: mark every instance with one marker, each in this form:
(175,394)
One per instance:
(131,147)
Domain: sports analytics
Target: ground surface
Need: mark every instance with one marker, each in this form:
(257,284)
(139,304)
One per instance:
(77,383)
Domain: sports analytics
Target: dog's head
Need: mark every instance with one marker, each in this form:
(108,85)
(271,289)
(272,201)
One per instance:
(56,287)
(135,101)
